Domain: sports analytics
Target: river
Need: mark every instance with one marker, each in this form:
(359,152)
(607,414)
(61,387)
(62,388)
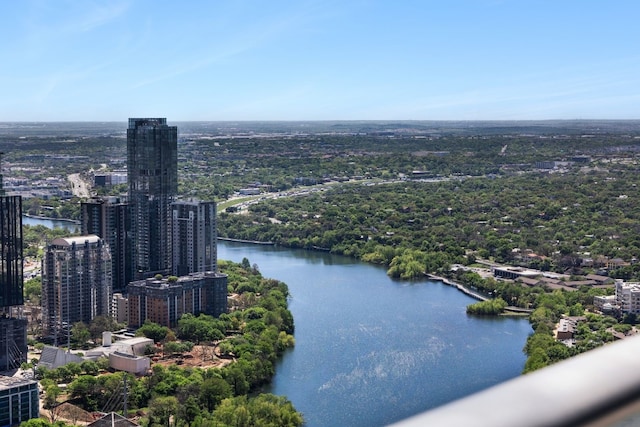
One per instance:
(371,350)
(72,226)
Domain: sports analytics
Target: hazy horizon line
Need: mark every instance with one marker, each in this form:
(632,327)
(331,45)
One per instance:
(331,120)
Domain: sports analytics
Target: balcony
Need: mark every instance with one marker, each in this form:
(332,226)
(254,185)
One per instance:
(600,388)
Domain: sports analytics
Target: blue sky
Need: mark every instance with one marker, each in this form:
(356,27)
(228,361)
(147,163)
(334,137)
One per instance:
(91,60)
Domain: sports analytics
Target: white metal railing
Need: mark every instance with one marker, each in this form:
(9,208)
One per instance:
(595,389)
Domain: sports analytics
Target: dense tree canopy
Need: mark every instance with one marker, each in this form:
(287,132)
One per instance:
(252,336)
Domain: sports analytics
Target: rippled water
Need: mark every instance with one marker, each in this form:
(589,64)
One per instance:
(370,350)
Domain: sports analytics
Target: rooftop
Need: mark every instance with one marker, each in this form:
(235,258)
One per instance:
(7,383)
(78,240)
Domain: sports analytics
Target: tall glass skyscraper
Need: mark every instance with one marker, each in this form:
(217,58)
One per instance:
(194,237)
(152,163)
(109,218)
(11,249)
(13,330)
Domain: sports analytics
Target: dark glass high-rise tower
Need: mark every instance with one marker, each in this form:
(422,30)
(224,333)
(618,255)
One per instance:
(13,330)
(194,237)
(109,218)
(10,248)
(152,163)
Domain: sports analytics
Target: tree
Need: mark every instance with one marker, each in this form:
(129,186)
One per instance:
(51,393)
(576,310)
(235,375)
(173,347)
(33,290)
(264,410)
(100,324)
(80,333)
(41,422)
(161,409)
(86,390)
(190,410)
(536,360)
(489,307)
(89,367)
(153,331)
(213,391)
(629,318)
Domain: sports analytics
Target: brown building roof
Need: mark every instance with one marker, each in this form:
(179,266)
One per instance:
(599,279)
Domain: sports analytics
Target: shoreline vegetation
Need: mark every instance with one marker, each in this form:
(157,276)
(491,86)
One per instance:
(252,242)
(189,388)
(506,311)
(460,287)
(72,221)
(543,307)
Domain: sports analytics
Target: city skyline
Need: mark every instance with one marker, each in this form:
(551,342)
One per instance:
(320,60)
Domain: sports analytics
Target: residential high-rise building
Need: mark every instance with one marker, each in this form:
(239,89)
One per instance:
(152,168)
(165,300)
(76,282)
(194,237)
(13,330)
(11,281)
(109,218)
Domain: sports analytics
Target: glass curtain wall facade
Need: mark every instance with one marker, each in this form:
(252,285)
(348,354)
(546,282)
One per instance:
(152,162)
(194,237)
(11,247)
(18,400)
(109,218)
(13,330)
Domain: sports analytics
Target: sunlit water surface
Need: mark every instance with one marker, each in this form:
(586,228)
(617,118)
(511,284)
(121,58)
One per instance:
(371,350)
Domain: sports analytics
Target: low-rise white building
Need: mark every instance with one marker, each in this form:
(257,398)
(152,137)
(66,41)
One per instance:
(124,355)
(604,303)
(137,365)
(135,346)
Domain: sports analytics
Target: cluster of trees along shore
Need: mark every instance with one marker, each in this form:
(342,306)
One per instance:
(480,197)
(415,228)
(251,337)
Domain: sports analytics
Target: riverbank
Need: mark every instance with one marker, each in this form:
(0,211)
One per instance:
(366,341)
(252,242)
(46,218)
(512,310)
(458,286)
